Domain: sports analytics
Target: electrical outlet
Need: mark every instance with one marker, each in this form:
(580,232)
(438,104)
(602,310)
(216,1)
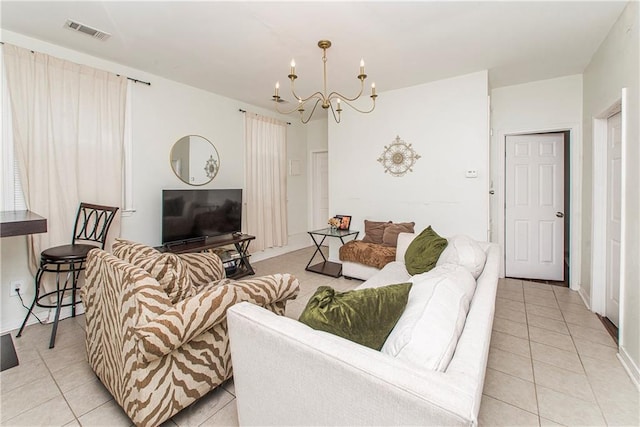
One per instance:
(16,285)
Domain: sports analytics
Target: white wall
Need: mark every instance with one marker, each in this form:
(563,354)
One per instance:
(546,105)
(317,141)
(161,114)
(317,135)
(613,67)
(447,124)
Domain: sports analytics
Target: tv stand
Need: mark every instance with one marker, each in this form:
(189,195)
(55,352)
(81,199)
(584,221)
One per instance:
(239,241)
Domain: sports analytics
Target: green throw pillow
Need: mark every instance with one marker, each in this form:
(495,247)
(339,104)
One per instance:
(364,316)
(423,252)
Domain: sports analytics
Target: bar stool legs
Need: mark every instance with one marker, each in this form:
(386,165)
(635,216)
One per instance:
(73,274)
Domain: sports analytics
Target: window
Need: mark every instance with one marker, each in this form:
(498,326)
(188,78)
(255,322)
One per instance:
(12,195)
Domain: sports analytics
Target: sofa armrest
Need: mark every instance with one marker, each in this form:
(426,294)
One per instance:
(404,240)
(326,380)
(199,313)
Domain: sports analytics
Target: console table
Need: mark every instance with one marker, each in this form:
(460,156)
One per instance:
(328,268)
(20,223)
(240,242)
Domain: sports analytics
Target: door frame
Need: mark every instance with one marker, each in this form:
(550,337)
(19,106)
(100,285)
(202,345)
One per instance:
(574,187)
(599,210)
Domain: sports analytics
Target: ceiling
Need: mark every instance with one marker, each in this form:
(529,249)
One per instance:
(239,49)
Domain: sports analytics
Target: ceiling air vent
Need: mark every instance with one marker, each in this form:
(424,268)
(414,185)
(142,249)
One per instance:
(85,29)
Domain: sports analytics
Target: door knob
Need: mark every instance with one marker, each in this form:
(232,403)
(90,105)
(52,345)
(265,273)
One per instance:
(559,214)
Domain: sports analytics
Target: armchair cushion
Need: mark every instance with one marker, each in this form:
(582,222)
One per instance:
(180,275)
(167,268)
(203,267)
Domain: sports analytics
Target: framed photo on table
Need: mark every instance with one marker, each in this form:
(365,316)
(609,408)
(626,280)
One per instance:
(345,221)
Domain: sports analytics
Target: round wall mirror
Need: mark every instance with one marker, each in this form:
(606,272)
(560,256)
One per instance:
(194,160)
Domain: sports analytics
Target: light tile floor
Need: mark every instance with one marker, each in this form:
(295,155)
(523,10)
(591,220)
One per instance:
(551,363)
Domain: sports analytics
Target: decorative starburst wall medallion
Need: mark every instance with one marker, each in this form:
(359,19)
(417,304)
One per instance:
(211,167)
(398,158)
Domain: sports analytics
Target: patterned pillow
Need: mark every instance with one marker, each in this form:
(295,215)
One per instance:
(167,268)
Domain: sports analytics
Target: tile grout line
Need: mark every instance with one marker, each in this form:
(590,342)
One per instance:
(217,412)
(582,365)
(533,369)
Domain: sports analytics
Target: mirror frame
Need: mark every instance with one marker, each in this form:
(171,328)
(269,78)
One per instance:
(215,156)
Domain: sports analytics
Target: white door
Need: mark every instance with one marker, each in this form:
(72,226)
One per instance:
(320,189)
(534,206)
(614,158)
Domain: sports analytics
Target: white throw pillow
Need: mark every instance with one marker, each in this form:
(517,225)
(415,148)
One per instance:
(463,250)
(393,273)
(427,333)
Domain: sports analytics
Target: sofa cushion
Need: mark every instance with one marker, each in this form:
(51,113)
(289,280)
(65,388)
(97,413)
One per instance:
(404,240)
(166,268)
(394,272)
(391,231)
(363,316)
(427,333)
(373,231)
(423,252)
(463,250)
(370,254)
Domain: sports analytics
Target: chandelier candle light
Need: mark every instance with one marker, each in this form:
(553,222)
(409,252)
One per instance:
(326,101)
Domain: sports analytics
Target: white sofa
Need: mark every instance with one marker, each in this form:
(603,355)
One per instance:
(355,270)
(289,374)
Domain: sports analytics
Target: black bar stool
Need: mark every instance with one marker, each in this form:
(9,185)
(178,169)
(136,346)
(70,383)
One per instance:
(91,228)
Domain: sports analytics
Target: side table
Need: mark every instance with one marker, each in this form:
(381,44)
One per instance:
(328,268)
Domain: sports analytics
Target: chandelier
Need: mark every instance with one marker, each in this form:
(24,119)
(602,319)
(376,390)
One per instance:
(321,97)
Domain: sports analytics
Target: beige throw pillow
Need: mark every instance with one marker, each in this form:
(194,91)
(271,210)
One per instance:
(373,231)
(390,235)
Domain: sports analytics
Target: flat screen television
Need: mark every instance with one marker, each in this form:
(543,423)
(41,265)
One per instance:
(197,214)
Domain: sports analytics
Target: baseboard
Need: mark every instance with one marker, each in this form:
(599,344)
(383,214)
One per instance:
(585,298)
(296,242)
(15,324)
(629,366)
(46,316)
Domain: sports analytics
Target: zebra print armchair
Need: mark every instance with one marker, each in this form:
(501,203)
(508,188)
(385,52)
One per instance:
(156,332)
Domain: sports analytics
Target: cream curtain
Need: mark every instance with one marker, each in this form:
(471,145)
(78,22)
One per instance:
(68,126)
(266,181)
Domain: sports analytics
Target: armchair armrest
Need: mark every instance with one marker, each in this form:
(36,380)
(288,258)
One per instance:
(199,313)
(267,290)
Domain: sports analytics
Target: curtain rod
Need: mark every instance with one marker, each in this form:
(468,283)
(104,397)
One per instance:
(128,78)
(244,111)
(136,80)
